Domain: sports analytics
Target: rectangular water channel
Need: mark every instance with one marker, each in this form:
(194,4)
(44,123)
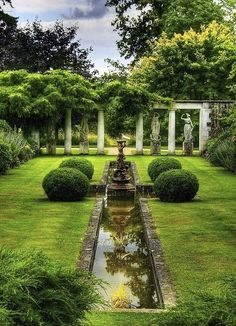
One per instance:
(122,258)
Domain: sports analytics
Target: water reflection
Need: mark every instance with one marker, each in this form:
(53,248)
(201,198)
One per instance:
(122,260)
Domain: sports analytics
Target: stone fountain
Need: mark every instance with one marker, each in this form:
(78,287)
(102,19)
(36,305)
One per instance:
(121,185)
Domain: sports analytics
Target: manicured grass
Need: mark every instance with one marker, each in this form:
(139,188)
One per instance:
(122,318)
(198,237)
(29,220)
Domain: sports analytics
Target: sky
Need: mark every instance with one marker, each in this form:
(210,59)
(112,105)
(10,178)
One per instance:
(92,17)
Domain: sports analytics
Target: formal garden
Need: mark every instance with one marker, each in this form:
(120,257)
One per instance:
(118,190)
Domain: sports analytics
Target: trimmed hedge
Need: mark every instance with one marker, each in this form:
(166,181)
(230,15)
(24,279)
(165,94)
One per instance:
(36,291)
(5,157)
(80,164)
(65,184)
(162,164)
(176,186)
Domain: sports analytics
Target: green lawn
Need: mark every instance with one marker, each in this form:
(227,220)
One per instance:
(198,237)
(122,318)
(29,220)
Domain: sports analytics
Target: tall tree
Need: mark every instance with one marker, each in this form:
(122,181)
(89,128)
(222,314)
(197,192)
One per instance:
(39,49)
(140,22)
(190,65)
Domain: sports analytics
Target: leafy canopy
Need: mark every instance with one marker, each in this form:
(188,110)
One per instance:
(193,65)
(32,99)
(38,49)
(140,22)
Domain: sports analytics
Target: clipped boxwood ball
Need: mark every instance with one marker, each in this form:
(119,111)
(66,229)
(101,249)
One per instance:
(162,164)
(66,184)
(80,164)
(176,186)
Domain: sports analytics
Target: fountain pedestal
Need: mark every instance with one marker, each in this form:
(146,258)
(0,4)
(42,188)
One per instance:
(121,185)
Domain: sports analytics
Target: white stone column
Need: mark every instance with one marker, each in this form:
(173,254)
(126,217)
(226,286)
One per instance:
(203,126)
(35,134)
(139,134)
(100,132)
(171,133)
(68,143)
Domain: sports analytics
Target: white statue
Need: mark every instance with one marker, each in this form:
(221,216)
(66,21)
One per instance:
(155,126)
(188,126)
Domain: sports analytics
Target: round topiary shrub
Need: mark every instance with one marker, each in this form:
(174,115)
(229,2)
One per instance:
(176,186)
(5,157)
(80,164)
(66,185)
(162,164)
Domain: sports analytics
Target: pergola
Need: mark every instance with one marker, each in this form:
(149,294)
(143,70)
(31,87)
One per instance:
(205,110)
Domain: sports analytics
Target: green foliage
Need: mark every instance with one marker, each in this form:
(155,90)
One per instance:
(26,153)
(150,18)
(36,291)
(162,164)
(65,184)
(80,164)
(205,310)
(176,186)
(123,101)
(38,49)
(222,153)
(39,101)
(198,64)
(5,157)
(221,148)
(20,150)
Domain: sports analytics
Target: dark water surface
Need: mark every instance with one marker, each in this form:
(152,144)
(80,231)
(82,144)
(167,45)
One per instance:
(122,259)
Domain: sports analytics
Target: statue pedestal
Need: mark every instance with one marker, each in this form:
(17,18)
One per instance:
(155,148)
(84,148)
(188,148)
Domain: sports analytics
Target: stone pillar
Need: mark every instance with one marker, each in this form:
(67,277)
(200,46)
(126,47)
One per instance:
(67,147)
(139,134)
(51,140)
(203,126)
(171,133)
(100,132)
(84,131)
(35,134)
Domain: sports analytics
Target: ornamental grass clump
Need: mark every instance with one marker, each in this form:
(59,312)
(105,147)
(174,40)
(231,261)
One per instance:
(80,164)
(66,184)
(162,164)
(36,291)
(5,157)
(176,186)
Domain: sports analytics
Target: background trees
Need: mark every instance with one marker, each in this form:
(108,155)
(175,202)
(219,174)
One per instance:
(193,65)
(39,49)
(140,22)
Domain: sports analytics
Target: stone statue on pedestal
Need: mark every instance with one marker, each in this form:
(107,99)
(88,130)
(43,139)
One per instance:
(188,137)
(155,136)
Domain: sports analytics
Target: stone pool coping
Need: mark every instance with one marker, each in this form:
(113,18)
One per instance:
(162,278)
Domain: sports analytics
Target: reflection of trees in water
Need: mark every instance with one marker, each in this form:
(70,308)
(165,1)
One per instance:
(126,229)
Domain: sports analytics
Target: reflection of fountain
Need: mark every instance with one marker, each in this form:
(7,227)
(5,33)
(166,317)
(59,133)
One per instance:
(121,182)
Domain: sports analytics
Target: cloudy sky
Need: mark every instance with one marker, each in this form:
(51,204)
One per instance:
(92,17)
